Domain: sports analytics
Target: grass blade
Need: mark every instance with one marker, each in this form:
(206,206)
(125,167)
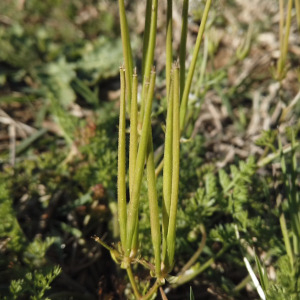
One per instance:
(262,274)
(191,294)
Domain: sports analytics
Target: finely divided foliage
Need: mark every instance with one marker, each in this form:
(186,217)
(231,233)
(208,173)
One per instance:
(227,193)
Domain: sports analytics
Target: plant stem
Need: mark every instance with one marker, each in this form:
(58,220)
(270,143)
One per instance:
(133,283)
(162,293)
(169,52)
(282,221)
(159,168)
(149,54)
(287,30)
(286,149)
(281,24)
(242,284)
(134,201)
(182,50)
(187,87)
(196,270)
(171,235)
(167,173)
(152,291)
(133,146)
(286,239)
(122,210)
(294,195)
(152,41)
(195,256)
(284,38)
(135,239)
(127,53)
(146,34)
(153,205)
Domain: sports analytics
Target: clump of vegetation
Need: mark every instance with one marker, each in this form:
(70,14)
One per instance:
(218,219)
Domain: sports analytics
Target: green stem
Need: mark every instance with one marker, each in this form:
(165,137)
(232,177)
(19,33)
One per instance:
(133,131)
(287,29)
(153,205)
(196,255)
(187,87)
(127,52)
(133,283)
(152,291)
(286,239)
(159,168)
(284,38)
(203,64)
(182,50)
(167,170)
(265,161)
(169,52)
(134,201)
(122,210)
(150,53)
(171,235)
(281,24)
(143,103)
(294,199)
(196,270)
(146,34)
(152,40)
(242,284)
(135,239)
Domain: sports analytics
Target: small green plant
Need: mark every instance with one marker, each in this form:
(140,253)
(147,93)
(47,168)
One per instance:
(34,283)
(286,282)
(163,229)
(24,267)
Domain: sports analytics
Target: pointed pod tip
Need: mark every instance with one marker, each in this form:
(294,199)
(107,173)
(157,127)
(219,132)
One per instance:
(176,64)
(122,67)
